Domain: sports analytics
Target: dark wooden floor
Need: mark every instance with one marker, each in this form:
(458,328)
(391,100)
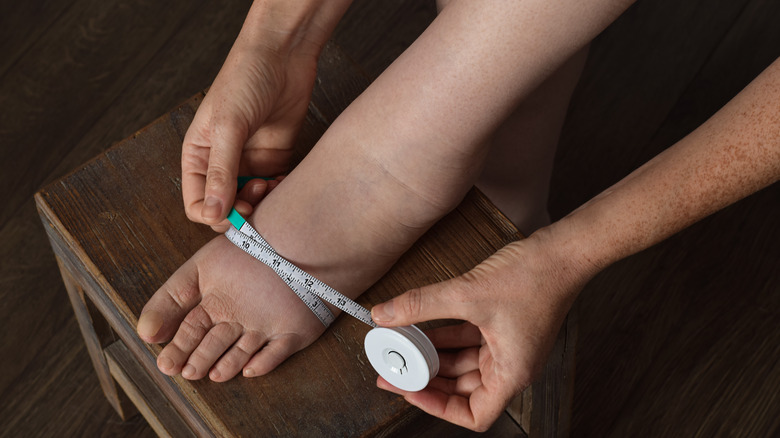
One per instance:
(680,340)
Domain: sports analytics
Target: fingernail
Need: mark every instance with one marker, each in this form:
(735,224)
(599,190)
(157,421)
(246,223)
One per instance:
(215,374)
(188,371)
(164,363)
(382,312)
(149,323)
(212,208)
(249,372)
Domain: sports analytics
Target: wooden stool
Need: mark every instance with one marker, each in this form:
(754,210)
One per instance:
(118,229)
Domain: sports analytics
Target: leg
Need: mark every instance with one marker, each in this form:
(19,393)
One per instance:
(517,171)
(399,158)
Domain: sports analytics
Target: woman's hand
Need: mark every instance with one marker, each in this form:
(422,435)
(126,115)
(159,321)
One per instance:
(250,117)
(246,125)
(514,304)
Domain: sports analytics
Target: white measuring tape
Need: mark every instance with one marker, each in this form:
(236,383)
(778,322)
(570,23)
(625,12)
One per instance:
(403,356)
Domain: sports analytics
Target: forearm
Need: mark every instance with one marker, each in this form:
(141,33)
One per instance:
(283,26)
(732,155)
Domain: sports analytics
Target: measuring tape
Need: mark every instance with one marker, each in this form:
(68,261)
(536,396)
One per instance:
(308,288)
(403,356)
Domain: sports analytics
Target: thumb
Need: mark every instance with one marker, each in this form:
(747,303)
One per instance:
(435,301)
(222,172)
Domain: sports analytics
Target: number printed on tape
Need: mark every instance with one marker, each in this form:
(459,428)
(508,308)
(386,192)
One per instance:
(308,288)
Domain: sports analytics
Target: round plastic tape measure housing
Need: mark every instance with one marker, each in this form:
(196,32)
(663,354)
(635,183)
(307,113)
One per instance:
(403,356)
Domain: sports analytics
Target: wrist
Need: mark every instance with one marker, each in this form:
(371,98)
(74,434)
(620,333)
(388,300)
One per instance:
(570,249)
(287,27)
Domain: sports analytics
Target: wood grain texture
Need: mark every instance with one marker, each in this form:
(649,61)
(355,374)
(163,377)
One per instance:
(144,393)
(93,329)
(60,394)
(47,383)
(636,71)
(23,24)
(125,243)
(54,123)
(85,61)
(661,332)
(64,54)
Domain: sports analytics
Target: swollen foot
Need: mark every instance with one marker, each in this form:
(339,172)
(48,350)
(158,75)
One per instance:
(224,313)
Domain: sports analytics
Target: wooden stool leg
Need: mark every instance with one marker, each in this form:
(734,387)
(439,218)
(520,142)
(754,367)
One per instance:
(97,335)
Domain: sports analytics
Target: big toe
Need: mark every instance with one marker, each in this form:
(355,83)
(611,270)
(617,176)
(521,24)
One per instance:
(164,312)
(149,324)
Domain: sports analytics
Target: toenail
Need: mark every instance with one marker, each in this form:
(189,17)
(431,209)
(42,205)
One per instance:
(215,374)
(164,363)
(149,323)
(249,372)
(188,371)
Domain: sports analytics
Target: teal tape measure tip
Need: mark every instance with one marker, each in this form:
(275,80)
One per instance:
(404,356)
(236,219)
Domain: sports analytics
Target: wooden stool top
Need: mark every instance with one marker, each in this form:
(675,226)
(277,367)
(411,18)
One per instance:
(118,225)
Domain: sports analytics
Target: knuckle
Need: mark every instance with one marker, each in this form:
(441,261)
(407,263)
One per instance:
(191,214)
(192,327)
(188,212)
(218,177)
(228,363)
(197,357)
(194,158)
(485,421)
(241,351)
(412,305)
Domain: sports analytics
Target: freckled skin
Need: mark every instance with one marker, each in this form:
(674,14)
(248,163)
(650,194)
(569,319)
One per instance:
(735,153)
(514,302)
(399,158)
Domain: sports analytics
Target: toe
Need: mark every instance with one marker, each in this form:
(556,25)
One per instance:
(164,312)
(191,332)
(214,344)
(253,192)
(277,350)
(232,362)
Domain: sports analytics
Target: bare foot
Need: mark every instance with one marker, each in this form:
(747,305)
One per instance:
(224,312)
(221,322)
(387,169)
